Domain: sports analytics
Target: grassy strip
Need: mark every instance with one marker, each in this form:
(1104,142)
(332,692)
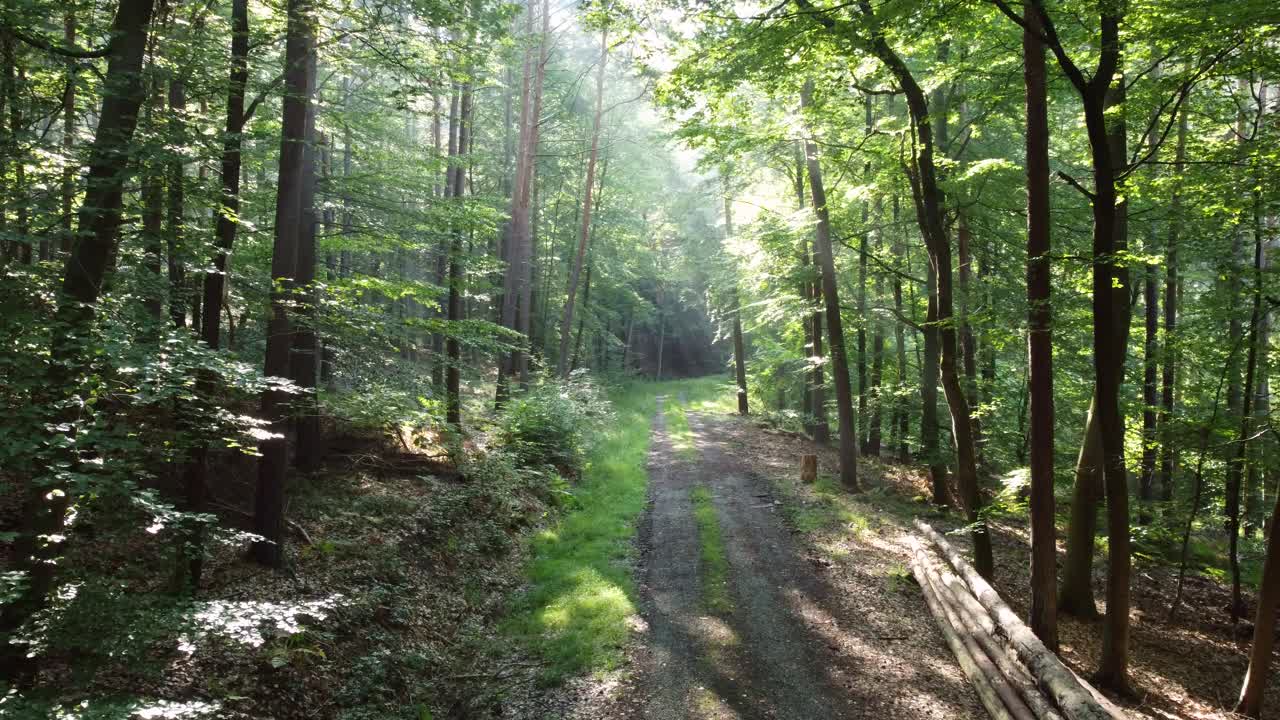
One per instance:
(581,595)
(715,566)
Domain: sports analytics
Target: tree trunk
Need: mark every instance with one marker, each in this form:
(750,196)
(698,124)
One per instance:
(819,430)
(1043,616)
(575,270)
(929,212)
(442,251)
(863,249)
(900,343)
(1150,397)
(1169,374)
(739,346)
(191,549)
(305,344)
(830,296)
(268,518)
(453,371)
(1264,626)
(177,209)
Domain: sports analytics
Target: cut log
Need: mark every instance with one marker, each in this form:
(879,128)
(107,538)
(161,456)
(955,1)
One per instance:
(808,469)
(987,694)
(1013,671)
(1075,698)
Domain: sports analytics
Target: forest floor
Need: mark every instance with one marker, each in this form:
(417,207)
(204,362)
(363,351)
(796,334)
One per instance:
(797,602)
(744,594)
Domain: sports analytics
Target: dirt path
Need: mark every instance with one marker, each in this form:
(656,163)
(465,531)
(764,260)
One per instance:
(794,644)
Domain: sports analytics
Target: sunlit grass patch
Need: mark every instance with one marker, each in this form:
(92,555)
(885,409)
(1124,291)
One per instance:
(576,611)
(679,431)
(711,394)
(715,566)
(830,509)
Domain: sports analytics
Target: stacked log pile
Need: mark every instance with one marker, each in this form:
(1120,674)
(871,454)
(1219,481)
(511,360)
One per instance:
(1015,675)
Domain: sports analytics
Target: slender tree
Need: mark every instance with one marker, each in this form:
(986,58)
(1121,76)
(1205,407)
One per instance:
(1044,548)
(575,269)
(830,296)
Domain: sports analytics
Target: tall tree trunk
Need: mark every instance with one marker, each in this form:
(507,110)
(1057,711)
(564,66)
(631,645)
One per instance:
(517,228)
(968,344)
(177,209)
(575,270)
(190,563)
(819,430)
(453,373)
(1254,687)
(439,360)
(1169,374)
(929,212)
(1100,468)
(876,421)
(1150,394)
(302,364)
(863,249)
(835,327)
(1241,451)
(900,343)
(268,518)
(1044,553)
(739,346)
(98,223)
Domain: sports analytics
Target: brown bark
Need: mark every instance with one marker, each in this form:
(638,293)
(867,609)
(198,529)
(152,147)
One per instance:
(903,423)
(302,361)
(1264,626)
(268,518)
(818,429)
(739,346)
(835,329)
(1043,612)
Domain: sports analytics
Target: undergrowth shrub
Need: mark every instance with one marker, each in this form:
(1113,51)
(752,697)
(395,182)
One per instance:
(555,423)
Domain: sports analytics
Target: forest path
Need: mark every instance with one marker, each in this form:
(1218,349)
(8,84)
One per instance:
(780,647)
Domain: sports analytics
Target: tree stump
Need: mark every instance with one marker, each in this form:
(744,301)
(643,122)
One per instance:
(808,468)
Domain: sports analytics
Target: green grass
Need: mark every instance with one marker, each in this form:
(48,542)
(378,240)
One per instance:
(576,610)
(711,394)
(715,566)
(679,431)
(831,509)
